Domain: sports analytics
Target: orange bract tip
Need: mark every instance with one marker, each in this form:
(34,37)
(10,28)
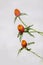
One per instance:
(17,12)
(20,28)
(24,43)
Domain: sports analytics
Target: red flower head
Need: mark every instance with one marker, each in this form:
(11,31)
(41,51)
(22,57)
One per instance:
(20,28)
(24,43)
(17,12)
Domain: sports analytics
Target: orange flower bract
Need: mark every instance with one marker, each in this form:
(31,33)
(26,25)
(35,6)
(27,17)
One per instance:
(24,43)
(21,28)
(17,12)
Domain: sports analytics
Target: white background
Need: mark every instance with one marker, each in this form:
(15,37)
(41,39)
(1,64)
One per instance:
(9,43)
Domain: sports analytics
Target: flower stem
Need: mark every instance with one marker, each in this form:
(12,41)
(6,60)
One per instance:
(22,21)
(41,33)
(36,54)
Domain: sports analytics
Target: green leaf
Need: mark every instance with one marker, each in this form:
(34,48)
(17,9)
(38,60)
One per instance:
(28,49)
(23,14)
(32,31)
(31,43)
(15,19)
(30,26)
(30,34)
(20,50)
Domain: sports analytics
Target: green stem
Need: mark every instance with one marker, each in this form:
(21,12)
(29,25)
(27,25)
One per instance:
(20,37)
(41,33)
(34,30)
(22,21)
(36,54)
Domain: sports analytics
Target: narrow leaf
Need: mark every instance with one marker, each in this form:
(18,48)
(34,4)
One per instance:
(28,49)
(23,14)
(31,43)
(30,34)
(30,26)
(15,19)
(18,35)
(32,31)
(20,50)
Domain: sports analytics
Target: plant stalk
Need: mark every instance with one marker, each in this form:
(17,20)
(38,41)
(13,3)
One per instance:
(36,54)
(22,21)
